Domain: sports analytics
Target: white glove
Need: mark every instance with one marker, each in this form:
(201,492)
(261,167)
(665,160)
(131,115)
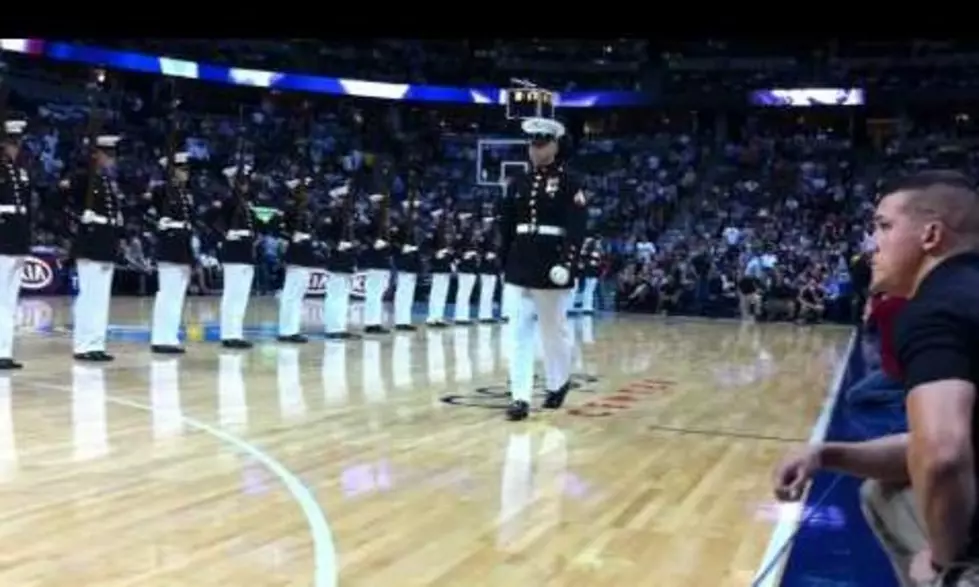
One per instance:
(409,249)
(491,256)
(380,244)
(442,253)
(345,246)
(470,255)
(559,275)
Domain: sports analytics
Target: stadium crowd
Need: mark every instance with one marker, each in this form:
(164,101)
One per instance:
(756,217)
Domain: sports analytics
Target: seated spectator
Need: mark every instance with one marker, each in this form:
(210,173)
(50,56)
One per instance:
(670,290)
(882,384)
(749,296)
(780,299)
(811,301)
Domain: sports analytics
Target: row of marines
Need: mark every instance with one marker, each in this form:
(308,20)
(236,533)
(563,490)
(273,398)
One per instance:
(333,238)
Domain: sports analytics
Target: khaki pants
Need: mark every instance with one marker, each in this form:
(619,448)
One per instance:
(892,515)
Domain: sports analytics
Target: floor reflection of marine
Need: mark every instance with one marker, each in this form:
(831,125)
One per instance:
(168,420)
(528,477)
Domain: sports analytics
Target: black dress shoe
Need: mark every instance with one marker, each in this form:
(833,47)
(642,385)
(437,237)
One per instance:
(294,339)
(517,410)
(9,365)
(405,327)
(375,329)
(340,336)
(237,344)
(166,349)
(555,399)
(463,322)
(94,357)
(488,321)
(438,324)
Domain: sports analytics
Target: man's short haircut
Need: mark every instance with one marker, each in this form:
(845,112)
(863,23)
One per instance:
(944,195)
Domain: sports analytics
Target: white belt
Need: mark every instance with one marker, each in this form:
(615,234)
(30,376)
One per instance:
(168,224)
(541,229)
(11,209)
(90,217)
(234,235)
(298,237)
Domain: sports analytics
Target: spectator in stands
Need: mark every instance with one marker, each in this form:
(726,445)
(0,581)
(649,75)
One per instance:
(749,295)
(780,298)
(811,301)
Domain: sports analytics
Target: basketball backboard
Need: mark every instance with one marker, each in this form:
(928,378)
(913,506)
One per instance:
(499,159)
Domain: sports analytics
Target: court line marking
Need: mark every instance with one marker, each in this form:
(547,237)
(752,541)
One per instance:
(324,548)
(791,518)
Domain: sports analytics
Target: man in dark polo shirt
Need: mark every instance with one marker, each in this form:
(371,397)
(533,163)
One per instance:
(921,487)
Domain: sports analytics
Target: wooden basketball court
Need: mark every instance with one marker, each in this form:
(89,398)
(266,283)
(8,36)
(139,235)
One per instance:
(387,461)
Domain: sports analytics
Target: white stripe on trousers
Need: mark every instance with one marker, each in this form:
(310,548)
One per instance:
(10,276)
(487,287)
(404,297)
(375,284)
(91,307)
(291,299)
(465,282)
(234,299)
(336,304)
(437,296)
(168,306)
(549,305)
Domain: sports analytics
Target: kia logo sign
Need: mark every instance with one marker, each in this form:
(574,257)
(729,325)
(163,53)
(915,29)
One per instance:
(318,279)
(35,274)
(317,283)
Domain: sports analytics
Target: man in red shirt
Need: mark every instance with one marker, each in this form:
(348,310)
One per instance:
(882,384)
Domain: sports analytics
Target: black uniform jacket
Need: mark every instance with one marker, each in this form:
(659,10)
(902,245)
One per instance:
(542,225)
(469,256)
(296,227)
(15,208)
(377,250)
(407,256)
(174,224)
(239,227)
(441,255)
(98,217)
(341,248)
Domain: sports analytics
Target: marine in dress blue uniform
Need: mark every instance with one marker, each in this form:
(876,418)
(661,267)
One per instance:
(174,215)
(441,265)
(407,265)
(591,269)
(542,227)
(489,268)
(15,234)
(298,230)
(240,227)
(467,269)
(341,263)
(96,202)
(375,262)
